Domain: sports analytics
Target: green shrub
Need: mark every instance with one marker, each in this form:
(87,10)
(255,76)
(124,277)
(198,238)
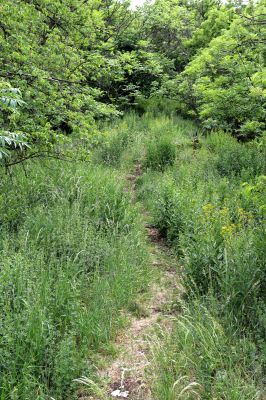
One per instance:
(233,158)
(160,154)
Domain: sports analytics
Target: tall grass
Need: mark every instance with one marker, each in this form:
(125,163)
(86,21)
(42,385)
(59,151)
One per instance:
(138,138)
(73,257)
(216,224)
(210,206)
(200,361)
(208,200)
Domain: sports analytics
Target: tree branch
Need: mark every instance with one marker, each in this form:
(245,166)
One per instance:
(42,154)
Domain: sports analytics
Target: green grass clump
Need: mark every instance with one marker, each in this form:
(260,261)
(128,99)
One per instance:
(73,256)
(235,159)
(160,154)
(200,361)
(110,152)
(122,136)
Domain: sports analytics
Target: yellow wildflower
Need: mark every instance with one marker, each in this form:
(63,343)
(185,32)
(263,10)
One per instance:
(208,208)
(228,230)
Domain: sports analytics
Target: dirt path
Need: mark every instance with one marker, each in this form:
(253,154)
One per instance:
(130,375)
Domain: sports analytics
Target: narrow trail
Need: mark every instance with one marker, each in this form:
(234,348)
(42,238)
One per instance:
(131,373)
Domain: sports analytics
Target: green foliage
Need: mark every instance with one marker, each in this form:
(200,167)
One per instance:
(10,97)
(224,84)
(161,153)
(11,140)
(9,101)
(218,71)
(200,361)
(76,63)
(233,158)
(218,232)
(65,62)
(210,207)
(73,252)
(69,237)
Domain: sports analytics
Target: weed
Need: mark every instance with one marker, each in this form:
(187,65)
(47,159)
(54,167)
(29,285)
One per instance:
(72,257)
(160,154)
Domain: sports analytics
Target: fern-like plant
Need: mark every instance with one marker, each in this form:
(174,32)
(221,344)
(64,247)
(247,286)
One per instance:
(10,141)
(10,100)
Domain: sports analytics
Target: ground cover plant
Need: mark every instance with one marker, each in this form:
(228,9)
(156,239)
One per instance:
(70,235)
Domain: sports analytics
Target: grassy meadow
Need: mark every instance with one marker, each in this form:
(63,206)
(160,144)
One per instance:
(132,199)
(206,195)
(74,259)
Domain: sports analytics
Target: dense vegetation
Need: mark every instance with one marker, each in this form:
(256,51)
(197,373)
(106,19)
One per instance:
(73,246)
(69,236)
(208,201)
(210,206)
(77,61)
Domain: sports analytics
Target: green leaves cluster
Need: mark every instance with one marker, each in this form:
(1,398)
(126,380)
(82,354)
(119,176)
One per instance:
(74,62)
(53,51)
(78,61)
(10,99)
(219,74)
(227,79)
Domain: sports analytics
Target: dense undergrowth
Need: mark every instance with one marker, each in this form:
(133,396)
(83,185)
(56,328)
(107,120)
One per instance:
(212,211)
(72,258)
(207,197)
(77,62)
(72,244)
